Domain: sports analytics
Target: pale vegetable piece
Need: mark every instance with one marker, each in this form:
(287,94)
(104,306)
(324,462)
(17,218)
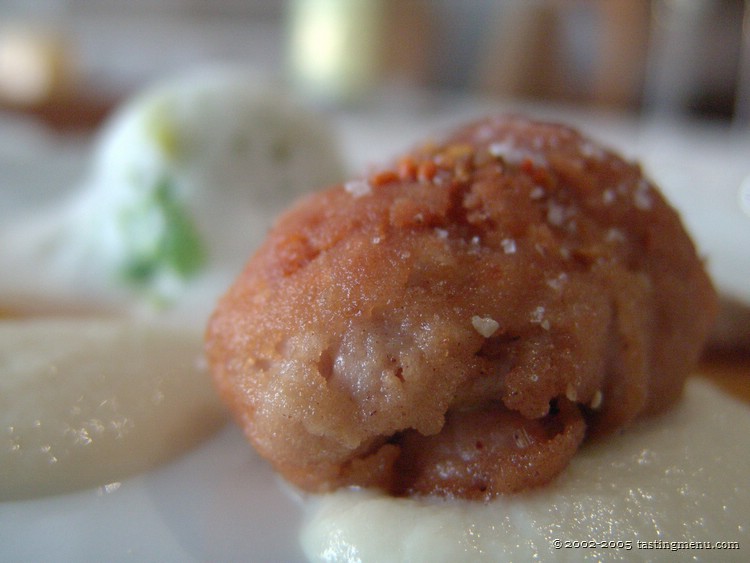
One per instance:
(88,402)
(679,478)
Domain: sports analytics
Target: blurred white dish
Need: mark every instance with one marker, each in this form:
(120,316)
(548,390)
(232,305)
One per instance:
(185,179)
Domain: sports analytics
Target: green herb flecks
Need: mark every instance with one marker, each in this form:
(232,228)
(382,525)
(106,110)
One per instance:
(162,238)
(160,127)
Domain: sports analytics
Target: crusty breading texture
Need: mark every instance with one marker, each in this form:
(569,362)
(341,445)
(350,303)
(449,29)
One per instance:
(456,324)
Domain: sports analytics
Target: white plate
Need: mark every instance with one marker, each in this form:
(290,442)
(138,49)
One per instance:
(220,502)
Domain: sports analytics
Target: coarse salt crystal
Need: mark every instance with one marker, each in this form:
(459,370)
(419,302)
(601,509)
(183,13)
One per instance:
(590,150)
(521,438)
(614,235)
(503,149)
(642,196)
(509,246)
(486,326)
(537,193)
(511,153)
(571,393)
(537,316)
(557,283)
(555,214)
(358,188)
(596,400)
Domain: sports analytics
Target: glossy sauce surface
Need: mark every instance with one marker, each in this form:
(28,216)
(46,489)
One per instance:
(85,402)
(679,477)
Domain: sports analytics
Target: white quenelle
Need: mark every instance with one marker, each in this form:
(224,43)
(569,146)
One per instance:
(185,180)
(195,170)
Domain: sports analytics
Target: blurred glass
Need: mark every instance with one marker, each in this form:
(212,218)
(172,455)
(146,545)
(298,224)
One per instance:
(335,48)
(36,64)
(677,57)
(694,58)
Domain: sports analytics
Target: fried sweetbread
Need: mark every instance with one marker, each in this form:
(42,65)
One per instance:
(458,323)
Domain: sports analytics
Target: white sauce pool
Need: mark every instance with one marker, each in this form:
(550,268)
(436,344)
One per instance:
(679,478)
(87,402)
(185,180)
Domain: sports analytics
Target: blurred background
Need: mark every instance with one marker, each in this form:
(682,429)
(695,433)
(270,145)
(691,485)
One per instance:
(667,82)
(70,61)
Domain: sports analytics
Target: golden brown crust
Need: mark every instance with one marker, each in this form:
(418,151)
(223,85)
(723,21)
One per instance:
(481,453)
(513,266)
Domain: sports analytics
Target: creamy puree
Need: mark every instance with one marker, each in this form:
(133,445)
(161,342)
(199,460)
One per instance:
(185,179)
(88,402)
(680,477)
